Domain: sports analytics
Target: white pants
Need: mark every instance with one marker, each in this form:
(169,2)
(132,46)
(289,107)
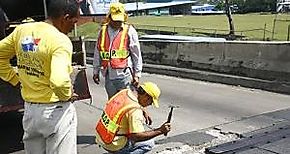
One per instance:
(50,128)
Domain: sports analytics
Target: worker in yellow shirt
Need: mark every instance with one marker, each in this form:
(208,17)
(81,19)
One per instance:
(120,128)
(44,57)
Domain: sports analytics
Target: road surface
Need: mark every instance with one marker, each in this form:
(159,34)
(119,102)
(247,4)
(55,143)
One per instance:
(201,105)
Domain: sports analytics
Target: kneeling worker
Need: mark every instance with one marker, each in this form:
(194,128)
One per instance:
(120,128)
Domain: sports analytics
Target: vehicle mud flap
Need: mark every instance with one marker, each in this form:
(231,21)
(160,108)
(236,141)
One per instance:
(10,97)
(80,83)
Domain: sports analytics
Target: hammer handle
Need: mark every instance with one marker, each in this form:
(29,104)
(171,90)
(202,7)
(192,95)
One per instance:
(169,117)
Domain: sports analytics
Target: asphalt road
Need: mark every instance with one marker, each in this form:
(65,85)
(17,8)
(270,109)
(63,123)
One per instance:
(201,105)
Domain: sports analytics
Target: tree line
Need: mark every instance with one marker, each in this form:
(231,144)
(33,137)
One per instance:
(245,6)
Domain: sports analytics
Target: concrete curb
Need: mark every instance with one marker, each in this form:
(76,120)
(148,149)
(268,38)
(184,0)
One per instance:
(273,86)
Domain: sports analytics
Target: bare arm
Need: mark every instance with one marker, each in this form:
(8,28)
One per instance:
(143,136)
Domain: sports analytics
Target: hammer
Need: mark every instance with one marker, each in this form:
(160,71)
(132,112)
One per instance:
(170,114)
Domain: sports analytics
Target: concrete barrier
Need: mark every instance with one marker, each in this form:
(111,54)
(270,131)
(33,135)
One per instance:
(264,61)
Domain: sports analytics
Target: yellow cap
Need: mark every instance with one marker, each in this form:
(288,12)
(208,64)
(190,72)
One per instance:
(117,11)
(152,90)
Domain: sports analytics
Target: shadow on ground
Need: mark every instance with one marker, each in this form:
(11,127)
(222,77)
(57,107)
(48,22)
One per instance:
(11,132)
(86,140)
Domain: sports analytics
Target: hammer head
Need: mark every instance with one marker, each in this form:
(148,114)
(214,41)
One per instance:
(170,113)
(173,106)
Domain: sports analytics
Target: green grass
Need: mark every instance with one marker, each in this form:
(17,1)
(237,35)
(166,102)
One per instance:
(88,30)
(194,25)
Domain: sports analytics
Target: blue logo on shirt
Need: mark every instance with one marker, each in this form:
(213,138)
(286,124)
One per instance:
(29,44)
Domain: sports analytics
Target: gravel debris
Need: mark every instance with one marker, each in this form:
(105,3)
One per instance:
(220,138)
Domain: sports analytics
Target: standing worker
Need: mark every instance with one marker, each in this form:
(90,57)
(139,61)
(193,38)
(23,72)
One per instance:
(120,128)
(44,58)
(117,49)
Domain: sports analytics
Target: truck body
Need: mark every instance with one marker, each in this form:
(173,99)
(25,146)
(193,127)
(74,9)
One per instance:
(12,13)
(10,96)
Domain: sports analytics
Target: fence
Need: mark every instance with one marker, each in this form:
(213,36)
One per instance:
(251,34)
(281,29)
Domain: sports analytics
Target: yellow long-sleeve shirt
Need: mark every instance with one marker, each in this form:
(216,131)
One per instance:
(43,62)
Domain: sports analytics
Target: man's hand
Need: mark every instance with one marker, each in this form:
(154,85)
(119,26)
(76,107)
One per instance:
(18,85)
(135,81)
(165,128)
(96,78)
(74,97)
(148,119)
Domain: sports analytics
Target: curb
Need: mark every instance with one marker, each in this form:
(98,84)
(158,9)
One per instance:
(272,86)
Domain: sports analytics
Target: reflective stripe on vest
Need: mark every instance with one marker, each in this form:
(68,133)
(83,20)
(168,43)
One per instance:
(109,124)
(118,53)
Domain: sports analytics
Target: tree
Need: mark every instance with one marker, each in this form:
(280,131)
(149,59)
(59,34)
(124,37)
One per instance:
(225,5)
(246,6)
(230,20)
(260,5)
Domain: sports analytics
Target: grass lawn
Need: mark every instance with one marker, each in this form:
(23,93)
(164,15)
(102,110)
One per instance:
(196,25)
